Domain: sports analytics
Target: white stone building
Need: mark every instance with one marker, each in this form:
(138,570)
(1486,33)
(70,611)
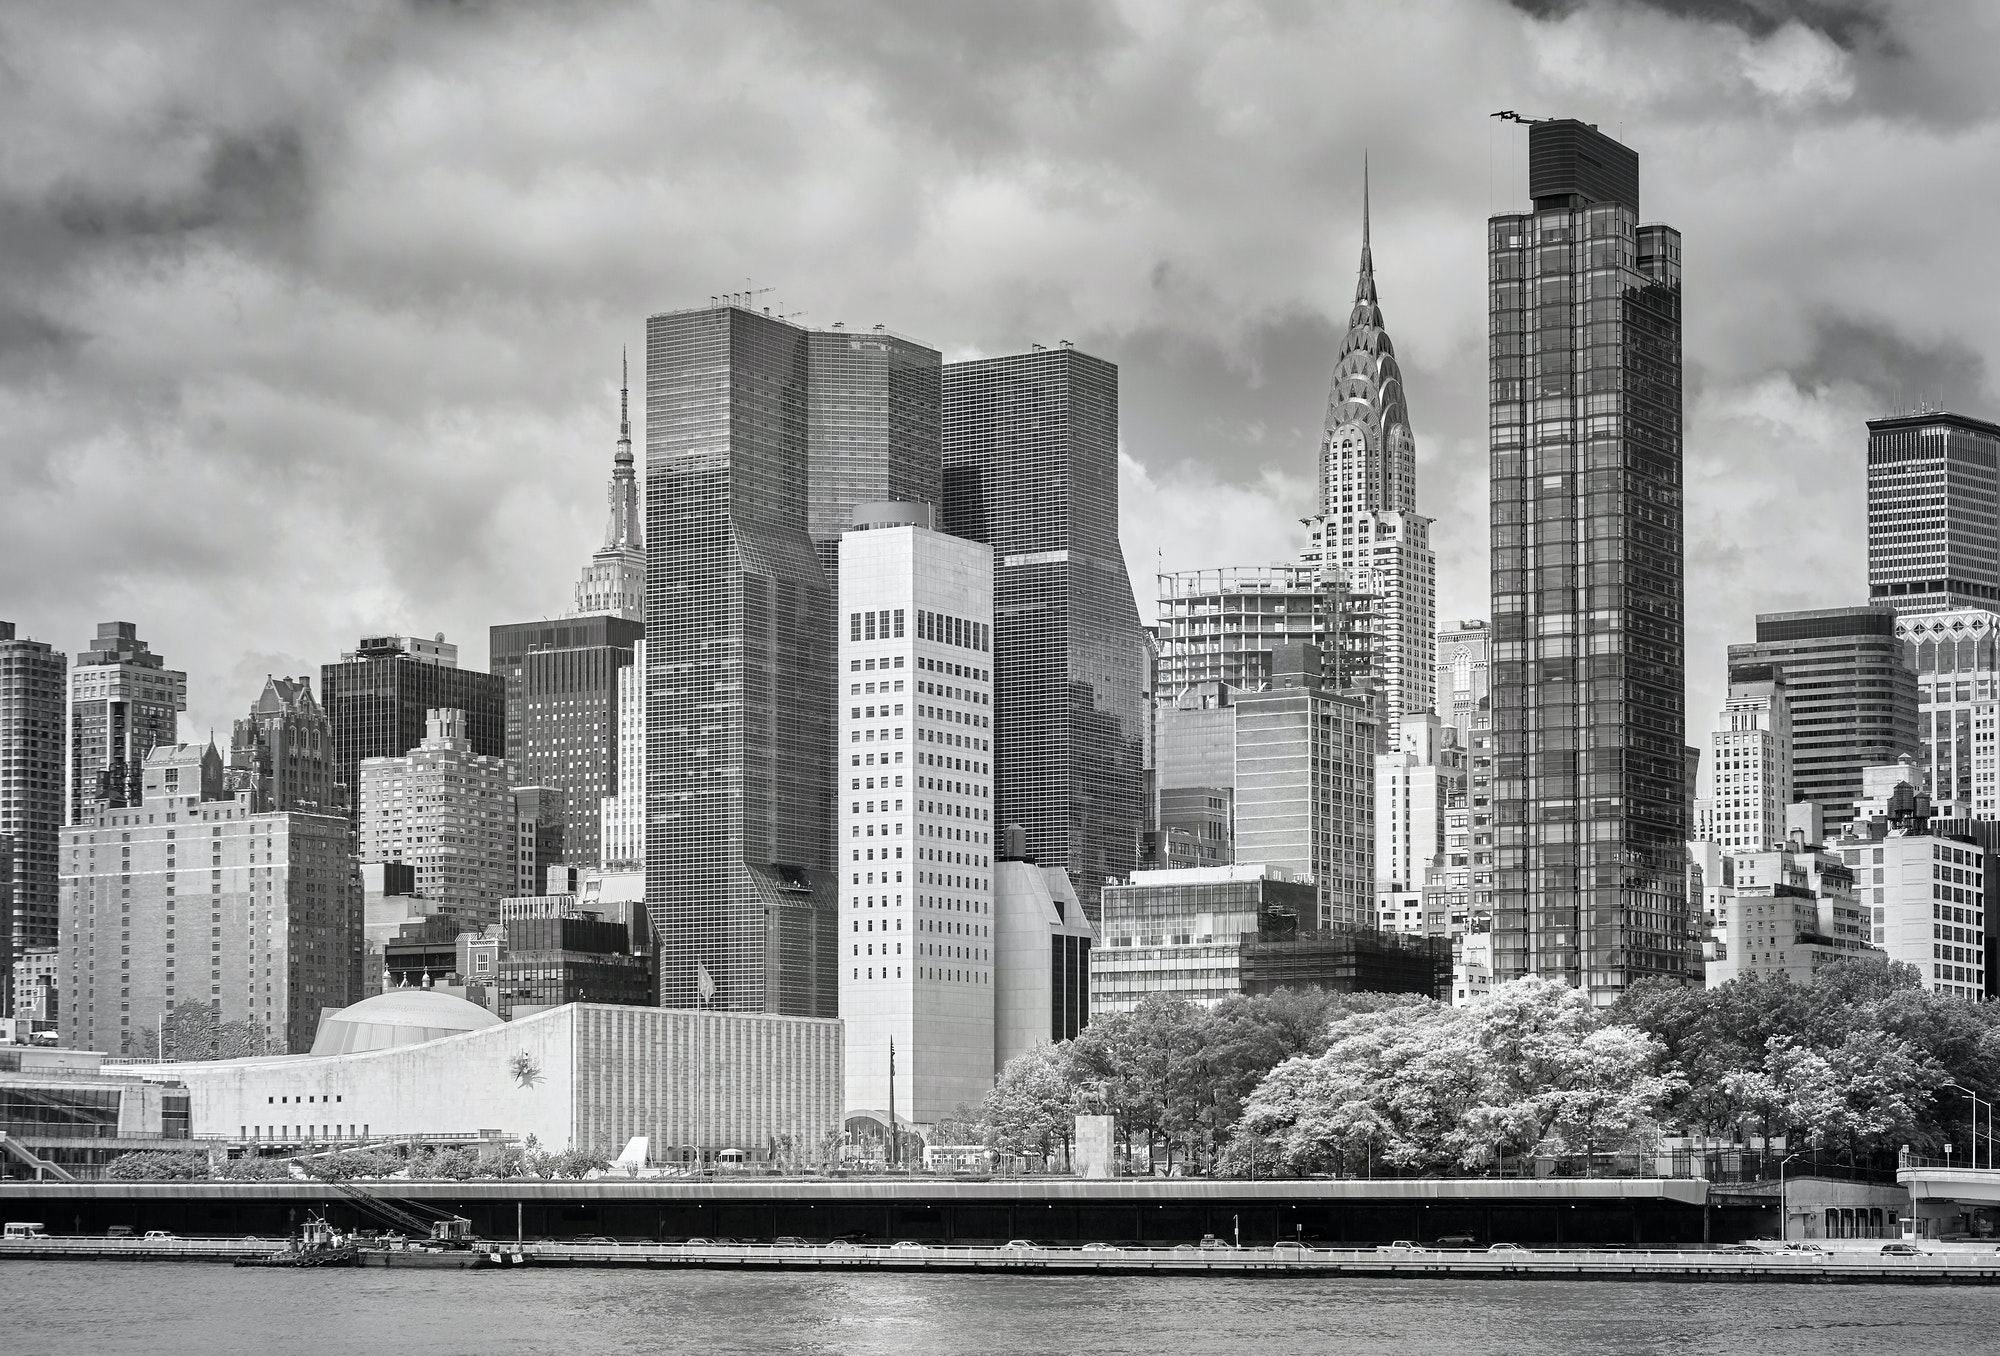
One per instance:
(916,821)
(1751,770)
(194,897)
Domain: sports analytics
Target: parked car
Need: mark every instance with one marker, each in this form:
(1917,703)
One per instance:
(1904,1250)
(162,1236)
(1507,1247)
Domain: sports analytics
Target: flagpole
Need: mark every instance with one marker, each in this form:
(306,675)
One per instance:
(892,1101)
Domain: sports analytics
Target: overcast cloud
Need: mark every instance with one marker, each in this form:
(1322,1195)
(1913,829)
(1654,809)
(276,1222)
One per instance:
(310,314)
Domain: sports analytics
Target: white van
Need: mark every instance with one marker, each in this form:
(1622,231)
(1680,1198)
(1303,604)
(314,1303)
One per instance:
(26,1231)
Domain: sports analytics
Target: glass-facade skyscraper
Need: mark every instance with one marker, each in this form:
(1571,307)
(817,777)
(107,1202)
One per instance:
(871,430)
(1031,469)
(32,745)
(1589,645)
(1851,693)
(379,697)
(740,809)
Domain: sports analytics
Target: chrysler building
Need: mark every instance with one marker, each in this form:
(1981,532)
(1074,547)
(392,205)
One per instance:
(1368,531)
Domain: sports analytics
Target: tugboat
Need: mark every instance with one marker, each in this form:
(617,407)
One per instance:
(451,1245)
(319,1244)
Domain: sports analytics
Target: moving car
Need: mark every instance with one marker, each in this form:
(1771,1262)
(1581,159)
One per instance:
(1098,1247)
(1808,1248)
(1507,1247)
(789,1241)
(1401,1245)
(26,1230)
(1210,1243)
(1458,1241)
(1018,1245)
(162,1236)
(121,1231)
(908,1245)
(1290,1245)
(1742,1250)
(1904,1250)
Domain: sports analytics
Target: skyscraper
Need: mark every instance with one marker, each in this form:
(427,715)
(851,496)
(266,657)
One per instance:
(613,584)
(1588,670)
(871,430)
(739,672)
(916,812)
(1852,696)
(563,714)
(1031,469)
(1752,772)
(31,791)
(1367,530)
(444,810)
(282,752)
(1305,786)
(622,813)
(1933,512)
(123,703)
(379,697)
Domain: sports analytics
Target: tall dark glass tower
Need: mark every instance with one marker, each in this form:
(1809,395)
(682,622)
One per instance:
(1589,641)
(871,430)
(1031,469)
(32,747)
(740,814)
(379,696)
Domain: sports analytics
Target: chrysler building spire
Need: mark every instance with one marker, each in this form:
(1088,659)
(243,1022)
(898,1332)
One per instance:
(1368,530)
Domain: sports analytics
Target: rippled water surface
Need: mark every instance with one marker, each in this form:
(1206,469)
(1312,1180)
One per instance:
(197,1309)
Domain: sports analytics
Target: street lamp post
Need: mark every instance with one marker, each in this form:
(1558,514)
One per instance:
(1977,1102)
(1784,1215)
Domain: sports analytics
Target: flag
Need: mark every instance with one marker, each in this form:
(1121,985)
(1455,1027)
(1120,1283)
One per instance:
(704,982)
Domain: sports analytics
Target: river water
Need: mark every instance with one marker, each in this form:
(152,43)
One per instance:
(200,1309)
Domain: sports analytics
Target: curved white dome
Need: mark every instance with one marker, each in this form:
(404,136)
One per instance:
(398,1017)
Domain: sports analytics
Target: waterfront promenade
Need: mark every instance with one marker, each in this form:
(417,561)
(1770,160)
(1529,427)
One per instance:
(1852,1263)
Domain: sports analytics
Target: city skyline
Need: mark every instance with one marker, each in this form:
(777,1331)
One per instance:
(1220,291)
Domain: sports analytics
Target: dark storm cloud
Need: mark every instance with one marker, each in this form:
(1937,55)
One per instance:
(1851,23)
(310,315)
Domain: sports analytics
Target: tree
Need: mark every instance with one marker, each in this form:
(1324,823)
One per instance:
(185,1165)
(1031,1109)
(1429,1088)
(191,1030)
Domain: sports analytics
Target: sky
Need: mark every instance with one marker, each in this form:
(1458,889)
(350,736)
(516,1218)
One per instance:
(310,315)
